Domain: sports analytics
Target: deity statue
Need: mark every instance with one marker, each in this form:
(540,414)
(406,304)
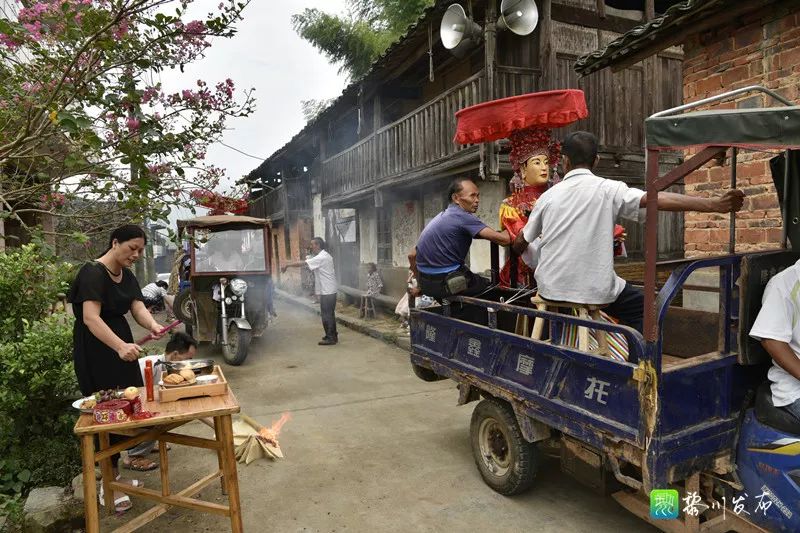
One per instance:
(534,156)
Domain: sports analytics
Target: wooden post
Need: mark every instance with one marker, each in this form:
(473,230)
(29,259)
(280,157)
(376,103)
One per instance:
(89,485)
(649,10)
(231,476)
(545,46)
(108,474)
(491,161)
(219,434)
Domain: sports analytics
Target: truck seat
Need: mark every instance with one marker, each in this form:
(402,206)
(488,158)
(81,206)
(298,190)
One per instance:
(774,417)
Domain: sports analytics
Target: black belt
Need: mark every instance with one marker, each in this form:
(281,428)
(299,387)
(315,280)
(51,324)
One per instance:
(437,277)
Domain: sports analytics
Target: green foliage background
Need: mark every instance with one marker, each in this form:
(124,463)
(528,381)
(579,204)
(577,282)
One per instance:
(358,38)
(37,381)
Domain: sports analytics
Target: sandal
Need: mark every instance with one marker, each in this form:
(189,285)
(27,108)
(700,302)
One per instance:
(123,503)
(139,464)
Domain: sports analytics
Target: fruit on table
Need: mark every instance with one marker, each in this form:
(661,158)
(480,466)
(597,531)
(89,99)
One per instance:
(107,395)
(131,393)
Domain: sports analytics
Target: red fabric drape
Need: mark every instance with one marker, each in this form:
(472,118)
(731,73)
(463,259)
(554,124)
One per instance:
(495,120)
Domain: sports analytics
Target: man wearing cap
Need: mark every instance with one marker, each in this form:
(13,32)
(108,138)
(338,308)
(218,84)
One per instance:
(575,220)
(438,260)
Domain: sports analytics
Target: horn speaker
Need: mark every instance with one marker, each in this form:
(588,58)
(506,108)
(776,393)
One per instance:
(518,16)
(459,33)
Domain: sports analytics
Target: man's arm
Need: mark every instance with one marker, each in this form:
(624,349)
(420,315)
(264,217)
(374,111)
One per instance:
(412,262)
(500,237)
(783,355)
(292,264)
(731,201)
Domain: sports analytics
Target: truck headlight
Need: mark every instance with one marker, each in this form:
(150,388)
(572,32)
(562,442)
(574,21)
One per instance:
(238,286)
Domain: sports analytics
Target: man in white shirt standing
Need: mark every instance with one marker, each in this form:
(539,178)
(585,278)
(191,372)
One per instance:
(778,328)
(575,220)
(321,264)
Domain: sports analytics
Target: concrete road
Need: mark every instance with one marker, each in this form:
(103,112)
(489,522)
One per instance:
(369,448)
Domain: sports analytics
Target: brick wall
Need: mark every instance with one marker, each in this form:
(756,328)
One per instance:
(300,235)
(760,49)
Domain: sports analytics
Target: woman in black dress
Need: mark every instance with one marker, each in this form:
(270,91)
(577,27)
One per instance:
(104,290)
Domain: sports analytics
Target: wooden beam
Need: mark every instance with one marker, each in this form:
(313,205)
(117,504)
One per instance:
(689,166)
(589,19)
(649,10)
(601,8)
(154,512)
(546,54)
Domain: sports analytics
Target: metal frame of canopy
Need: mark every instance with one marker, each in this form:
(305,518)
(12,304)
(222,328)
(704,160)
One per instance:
(712,149)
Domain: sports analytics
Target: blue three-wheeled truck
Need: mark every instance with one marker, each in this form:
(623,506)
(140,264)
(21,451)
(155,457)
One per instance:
(690,408)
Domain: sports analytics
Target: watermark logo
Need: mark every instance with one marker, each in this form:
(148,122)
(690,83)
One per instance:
(664,504)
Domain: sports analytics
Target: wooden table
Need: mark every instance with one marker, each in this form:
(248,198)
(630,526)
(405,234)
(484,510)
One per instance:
(170,416)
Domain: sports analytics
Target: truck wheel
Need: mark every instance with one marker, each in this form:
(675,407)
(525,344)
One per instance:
(183,306)
(426,374)
(507,462)
(238,343)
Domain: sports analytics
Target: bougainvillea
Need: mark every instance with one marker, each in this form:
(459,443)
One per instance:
(84,119)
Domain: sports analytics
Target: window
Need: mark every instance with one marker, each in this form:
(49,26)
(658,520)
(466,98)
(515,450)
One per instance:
(384,216)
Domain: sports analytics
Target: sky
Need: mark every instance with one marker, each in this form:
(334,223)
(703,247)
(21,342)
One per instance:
(284,69)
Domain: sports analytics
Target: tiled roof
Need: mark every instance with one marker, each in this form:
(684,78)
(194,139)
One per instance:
(657,30)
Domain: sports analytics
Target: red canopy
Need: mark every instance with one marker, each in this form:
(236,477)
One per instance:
(494,120)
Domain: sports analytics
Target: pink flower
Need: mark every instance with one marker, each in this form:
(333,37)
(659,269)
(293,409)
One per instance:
(133,124)
(195,27)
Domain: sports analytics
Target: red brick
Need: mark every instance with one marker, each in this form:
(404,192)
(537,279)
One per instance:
(697,235)
(748,36)
(763,201)
(751,235)
(735,74)
(710,84)
(774,235)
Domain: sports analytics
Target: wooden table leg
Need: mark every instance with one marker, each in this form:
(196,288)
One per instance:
(162,455)
(89,485)
(218,433)
(231,476)
(108,474)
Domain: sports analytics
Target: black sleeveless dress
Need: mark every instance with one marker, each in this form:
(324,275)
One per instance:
(96,365)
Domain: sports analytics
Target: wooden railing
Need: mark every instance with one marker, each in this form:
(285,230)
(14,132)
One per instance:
(273,204)
(420,138)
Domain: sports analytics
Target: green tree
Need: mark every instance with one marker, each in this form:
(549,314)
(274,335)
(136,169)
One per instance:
(356,39)
(84,121)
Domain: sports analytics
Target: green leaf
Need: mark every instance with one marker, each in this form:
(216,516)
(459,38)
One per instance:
(24,476)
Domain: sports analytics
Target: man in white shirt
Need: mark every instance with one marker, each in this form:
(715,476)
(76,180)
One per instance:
(575,220)
(778,328)
(321,264)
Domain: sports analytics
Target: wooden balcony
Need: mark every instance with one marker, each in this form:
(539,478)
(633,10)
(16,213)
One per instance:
(293,193)
(420,142)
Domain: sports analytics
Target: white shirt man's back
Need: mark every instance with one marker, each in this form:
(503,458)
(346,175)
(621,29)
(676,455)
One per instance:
(575,219)
(324,275)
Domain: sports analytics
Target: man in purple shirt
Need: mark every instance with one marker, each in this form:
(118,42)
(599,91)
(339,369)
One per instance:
(443,245)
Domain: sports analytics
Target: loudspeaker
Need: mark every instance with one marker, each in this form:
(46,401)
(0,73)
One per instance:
(518,16)
(459,33)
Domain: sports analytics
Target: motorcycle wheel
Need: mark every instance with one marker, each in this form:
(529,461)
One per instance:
(183,306)
(238,343)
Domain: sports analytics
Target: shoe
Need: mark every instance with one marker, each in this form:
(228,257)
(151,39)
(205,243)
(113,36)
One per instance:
(327,342)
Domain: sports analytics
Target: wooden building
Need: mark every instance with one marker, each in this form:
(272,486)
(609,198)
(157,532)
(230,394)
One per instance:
(379,159)
(728,45)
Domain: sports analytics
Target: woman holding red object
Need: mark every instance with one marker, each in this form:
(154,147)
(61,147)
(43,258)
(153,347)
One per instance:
(104,354)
